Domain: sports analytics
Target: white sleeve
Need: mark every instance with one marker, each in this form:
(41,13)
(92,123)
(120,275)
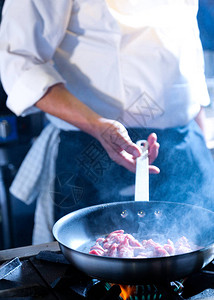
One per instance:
(30,32)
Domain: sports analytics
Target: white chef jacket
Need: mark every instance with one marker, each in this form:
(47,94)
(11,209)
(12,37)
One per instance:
(137,61)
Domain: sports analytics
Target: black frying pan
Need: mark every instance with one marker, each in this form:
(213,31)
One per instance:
(77,232)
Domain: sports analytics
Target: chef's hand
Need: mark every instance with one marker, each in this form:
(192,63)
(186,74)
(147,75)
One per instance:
(115,139)
(113,136)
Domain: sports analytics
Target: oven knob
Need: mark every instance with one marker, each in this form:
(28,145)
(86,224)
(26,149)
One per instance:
(4,129)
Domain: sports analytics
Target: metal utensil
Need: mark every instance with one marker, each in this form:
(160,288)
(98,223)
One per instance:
(142,173)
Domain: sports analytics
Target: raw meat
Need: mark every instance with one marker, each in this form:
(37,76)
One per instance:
(124,245)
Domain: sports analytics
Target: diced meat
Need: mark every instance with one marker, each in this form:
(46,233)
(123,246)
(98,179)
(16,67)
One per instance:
(113,250)
(100,240)
(107,244)
(116,232)
(132,241)
(183,249)
(150,244)
(183,246)
(125,250)
(96,252)
(161,252)
(97,247)
(169,247)
(124,245)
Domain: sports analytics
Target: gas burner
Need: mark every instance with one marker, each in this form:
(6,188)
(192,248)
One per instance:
(115,291)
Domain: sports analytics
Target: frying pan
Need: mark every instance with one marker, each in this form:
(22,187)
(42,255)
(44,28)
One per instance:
(77,232)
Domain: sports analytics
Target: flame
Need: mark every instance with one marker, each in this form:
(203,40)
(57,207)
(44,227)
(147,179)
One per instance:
(127,291)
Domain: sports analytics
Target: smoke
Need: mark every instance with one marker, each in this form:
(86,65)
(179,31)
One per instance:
(157,220)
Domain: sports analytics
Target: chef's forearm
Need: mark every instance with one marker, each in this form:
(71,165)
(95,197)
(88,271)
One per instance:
(59,102)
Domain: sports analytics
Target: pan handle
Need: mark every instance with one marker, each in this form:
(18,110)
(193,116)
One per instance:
(142,173)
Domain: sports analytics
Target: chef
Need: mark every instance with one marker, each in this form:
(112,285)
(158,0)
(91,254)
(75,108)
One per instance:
(106,73)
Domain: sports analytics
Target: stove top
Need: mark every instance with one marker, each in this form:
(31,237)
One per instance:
(48,275)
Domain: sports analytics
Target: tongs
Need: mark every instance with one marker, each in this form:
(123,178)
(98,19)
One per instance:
(142,173)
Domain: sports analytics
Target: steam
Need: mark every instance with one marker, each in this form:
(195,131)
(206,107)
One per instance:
(159,221)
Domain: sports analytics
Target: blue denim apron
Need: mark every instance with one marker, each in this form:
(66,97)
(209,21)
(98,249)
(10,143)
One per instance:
(85,175)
